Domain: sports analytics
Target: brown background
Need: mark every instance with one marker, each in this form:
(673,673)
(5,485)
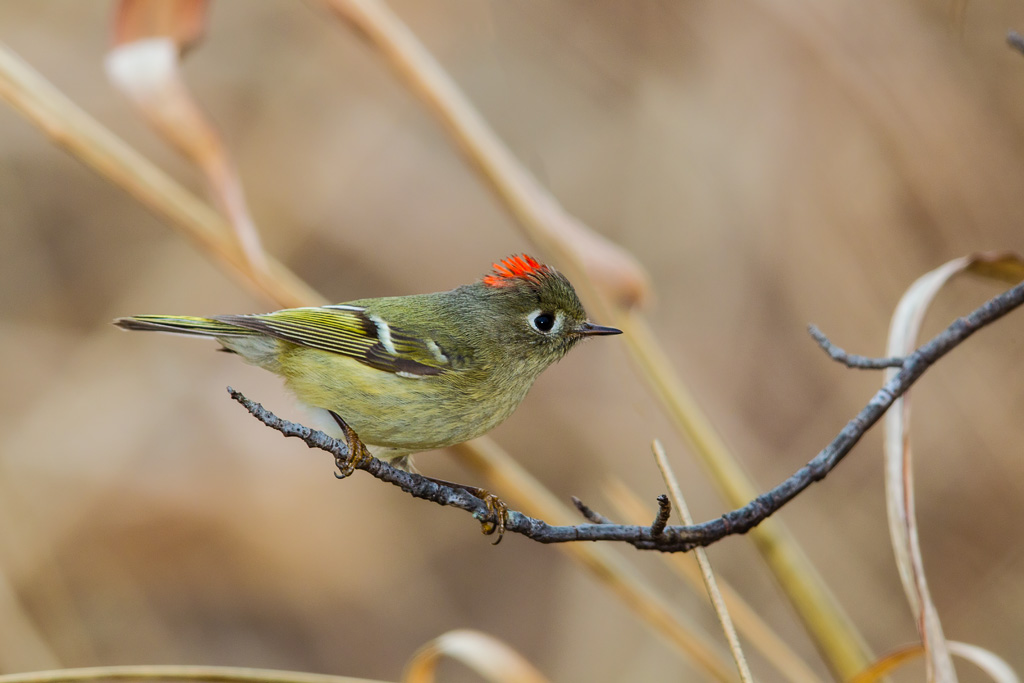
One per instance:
(771,164)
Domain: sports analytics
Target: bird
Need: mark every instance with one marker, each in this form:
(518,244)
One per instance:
(407,374)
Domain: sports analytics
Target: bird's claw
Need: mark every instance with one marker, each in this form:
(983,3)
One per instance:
(358,454)
(497,515)
(356,459)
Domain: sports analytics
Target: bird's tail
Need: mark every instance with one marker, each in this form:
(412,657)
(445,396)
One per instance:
(183,324)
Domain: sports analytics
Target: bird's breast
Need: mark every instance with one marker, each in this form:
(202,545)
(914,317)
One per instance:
(401,412)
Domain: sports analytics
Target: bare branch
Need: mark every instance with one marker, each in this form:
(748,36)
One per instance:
(851,360)
(414,484)
(590,514)
(675,538)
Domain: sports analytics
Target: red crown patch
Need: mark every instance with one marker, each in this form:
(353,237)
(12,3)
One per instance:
(516,268)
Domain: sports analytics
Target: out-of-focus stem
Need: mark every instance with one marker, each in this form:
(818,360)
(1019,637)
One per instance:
(707,573)
(530,496)
(762,636)
(35,98)
(838,640)
(207,674)
(70,127)
(570,241)
(578,248)
(148,72)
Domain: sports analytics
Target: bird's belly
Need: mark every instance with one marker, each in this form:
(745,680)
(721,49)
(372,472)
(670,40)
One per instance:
(398,412)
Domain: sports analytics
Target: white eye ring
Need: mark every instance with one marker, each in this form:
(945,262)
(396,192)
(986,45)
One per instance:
(556,323)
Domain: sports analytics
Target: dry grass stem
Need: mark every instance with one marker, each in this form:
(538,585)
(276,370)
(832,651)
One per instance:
(71,128)
(997,669)
(490,658)
(220,674)
(21,644)
(43,105)
(993,665)
(705,564)
(605,273)
(837,638)
(887,664)
(758,634)
(903,334)
(607,565)
(144,64)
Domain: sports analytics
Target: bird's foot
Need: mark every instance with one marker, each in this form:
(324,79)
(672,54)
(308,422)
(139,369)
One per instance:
(358,453)
(497,509)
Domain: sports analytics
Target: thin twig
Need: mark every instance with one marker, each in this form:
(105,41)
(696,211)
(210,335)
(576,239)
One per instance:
(682,538)
(851,360)
(491,659)
(415,485)
(705,564)
(664,512)
(589,513)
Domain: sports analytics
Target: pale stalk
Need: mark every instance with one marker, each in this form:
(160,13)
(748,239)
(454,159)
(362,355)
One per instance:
(220,674)
(35,98)
(707,574)
(572,244)
(488,657)
(71,128)
(759,634)
(148,72)
(531,497)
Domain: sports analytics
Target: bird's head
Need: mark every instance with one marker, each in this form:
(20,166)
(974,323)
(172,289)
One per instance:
(535,311)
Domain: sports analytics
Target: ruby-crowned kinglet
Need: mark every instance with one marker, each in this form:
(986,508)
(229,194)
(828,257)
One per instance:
(411,373)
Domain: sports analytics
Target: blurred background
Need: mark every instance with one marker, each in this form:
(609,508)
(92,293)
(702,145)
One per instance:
(771,164)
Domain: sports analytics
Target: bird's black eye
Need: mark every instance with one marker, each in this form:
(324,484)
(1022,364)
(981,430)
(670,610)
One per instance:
(544,322)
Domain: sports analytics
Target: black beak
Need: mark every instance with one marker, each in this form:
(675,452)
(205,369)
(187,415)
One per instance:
(591,330)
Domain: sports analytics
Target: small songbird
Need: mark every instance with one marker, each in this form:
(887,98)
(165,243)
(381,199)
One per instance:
(411,373)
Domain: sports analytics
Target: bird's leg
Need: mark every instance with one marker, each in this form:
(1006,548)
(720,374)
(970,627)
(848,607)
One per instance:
(357,451)
(497,509)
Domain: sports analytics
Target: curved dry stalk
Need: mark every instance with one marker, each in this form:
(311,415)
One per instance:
(997,669)
(219,674)
(144,64)
(71,128)
(886,664)
(489,657)
(899,480)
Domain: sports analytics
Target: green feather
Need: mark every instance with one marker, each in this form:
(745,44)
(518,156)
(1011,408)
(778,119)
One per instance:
(349,332)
